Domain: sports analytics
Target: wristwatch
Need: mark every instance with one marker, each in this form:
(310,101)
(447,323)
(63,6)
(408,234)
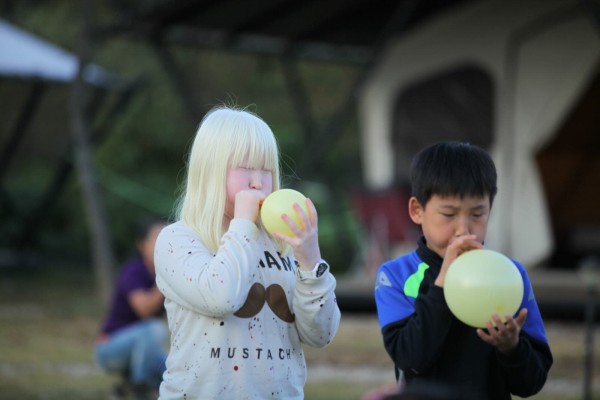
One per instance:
(320,268)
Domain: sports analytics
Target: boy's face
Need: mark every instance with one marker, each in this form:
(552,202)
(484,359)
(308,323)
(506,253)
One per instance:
(445,218)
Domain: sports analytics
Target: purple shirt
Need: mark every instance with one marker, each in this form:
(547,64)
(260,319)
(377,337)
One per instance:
(133,276)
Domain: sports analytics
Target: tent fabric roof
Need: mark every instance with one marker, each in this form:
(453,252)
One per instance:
(342,30)
(23,55)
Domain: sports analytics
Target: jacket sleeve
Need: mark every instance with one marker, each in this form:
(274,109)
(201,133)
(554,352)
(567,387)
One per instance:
(191,276)
(415,342)
(317,314)
(526,369)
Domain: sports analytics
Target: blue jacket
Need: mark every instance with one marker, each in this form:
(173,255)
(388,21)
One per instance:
(427,343)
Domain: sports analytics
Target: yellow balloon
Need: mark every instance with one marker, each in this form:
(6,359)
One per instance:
(278,203)
(482,282)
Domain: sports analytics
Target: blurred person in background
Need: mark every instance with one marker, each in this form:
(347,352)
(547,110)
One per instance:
(132,338)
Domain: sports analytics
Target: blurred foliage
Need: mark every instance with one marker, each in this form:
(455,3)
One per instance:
(141,151)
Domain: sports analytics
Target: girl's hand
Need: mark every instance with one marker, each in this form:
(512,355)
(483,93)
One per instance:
(504,336)
(247,204)
(458,246)
(305,243)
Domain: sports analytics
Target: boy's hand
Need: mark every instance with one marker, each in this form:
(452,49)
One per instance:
(504,336)
(458,246)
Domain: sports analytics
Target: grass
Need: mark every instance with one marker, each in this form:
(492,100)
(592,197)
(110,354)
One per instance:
(49,318)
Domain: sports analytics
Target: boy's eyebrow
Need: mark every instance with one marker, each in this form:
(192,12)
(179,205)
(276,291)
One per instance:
(453,207)
(447,206)
(482,205)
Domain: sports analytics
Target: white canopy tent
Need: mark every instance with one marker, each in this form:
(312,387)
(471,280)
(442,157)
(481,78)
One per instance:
(540,55)
(23,55)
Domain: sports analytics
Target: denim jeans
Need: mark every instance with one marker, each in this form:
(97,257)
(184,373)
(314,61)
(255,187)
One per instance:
(136,351)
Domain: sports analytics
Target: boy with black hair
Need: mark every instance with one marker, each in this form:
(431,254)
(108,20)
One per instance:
(453,188)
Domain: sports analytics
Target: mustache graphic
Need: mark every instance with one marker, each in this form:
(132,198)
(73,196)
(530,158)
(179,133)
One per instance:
(275,298)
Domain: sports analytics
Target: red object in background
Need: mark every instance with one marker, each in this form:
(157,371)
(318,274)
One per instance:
(385,220)
(384,212)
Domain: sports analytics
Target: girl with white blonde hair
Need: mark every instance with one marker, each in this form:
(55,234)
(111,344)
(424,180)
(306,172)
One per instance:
(240,303)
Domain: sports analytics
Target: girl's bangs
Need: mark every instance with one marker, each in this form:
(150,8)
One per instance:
(260,147)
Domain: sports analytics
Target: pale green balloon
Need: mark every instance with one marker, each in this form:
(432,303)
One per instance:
(278,203)
(482,282)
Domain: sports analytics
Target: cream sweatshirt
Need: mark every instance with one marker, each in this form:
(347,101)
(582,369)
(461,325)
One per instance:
(238,318)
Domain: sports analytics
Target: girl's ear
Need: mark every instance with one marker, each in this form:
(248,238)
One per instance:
(415,210)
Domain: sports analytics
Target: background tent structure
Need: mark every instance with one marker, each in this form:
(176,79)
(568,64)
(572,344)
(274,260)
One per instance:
(519,79)
(25,56)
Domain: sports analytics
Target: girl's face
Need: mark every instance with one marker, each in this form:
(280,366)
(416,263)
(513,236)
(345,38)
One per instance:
(445,218)
(244,178)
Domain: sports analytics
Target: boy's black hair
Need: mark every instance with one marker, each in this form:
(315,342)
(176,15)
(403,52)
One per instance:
(452,169)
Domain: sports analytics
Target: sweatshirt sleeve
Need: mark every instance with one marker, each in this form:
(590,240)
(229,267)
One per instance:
(316,311)
(190,275)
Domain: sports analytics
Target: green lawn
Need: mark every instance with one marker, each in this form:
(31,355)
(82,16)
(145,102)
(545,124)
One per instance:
(49,318)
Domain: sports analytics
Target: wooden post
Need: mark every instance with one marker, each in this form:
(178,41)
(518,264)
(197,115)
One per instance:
(101,246)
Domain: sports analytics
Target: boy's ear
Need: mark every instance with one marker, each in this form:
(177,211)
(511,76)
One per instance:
(415,210)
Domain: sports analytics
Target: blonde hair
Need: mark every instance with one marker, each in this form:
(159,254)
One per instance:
(224,138)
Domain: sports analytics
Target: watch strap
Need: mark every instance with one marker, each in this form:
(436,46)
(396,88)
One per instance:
(318,271)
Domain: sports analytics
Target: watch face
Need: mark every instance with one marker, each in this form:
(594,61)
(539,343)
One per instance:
(321,270)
